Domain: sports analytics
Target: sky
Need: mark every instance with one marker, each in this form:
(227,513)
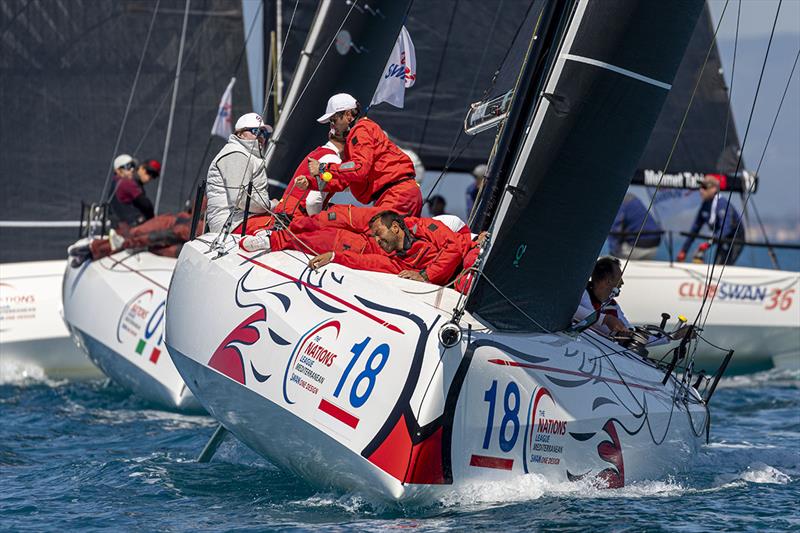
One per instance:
(778,197)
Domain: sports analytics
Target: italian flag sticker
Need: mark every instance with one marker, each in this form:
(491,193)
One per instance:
(153,355)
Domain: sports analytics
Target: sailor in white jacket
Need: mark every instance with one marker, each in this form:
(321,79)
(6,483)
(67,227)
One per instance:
(240,161)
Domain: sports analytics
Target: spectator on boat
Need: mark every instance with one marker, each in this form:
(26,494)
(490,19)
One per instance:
(421,249)
(605,283)
(479,173)
(724,221)
(436,205)
(240,162)
(377,172)
(129,204)
(632,218)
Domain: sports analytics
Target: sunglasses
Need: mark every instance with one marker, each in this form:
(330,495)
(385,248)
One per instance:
(258,132)
(128,166)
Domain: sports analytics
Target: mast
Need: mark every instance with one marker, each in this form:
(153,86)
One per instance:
(346,51)
(172,104)
(603,92)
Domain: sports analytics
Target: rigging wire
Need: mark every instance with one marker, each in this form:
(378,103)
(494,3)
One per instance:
(677,136)
(105,192)
(712,257)
(761,160)
(492,83)
(763,154)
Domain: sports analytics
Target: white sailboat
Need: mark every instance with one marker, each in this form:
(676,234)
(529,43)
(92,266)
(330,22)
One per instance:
(753,310)
(402,389)
(115,306)
(32,331)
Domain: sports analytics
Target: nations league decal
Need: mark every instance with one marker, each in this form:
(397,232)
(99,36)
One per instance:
(311,360)
(15,306)
(142,320)
(547,426)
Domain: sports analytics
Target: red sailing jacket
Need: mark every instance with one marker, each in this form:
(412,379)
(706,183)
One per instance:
(294,196)
(433,247)
(371,164)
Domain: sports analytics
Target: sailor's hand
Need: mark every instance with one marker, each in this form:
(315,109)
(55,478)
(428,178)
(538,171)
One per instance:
(321,260)
(482,237)
(313,166)
(301,182)
(411,274)
(616,325)
(681,256)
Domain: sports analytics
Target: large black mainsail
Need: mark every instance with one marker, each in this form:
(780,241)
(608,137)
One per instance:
(611,70)
(708,142)
(66,70)
(345,51)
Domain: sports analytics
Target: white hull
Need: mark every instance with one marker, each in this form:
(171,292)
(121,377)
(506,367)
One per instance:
(755,311)
(339,376)
(32,331)
(114,308)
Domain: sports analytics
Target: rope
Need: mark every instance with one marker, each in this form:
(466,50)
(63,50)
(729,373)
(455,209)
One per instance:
(104,194)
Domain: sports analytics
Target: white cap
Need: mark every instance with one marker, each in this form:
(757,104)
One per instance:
(451,221)
(251,120)
(336,103)
(123,159)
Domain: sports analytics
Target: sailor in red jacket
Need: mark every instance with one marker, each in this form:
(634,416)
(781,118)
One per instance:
(373,167)
(297,201)
(422,249)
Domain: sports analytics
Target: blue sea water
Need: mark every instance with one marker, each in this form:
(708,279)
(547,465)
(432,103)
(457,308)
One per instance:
(87,455)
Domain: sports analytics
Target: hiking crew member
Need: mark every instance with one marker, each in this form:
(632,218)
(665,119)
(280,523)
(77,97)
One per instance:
(129,204)
(421,249)
(377,172)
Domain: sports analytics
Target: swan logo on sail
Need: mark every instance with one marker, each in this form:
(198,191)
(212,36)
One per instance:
(771,297)
(310,360)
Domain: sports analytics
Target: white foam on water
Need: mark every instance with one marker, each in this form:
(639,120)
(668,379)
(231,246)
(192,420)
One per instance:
(763,473)
(533,487)
(776,376)
(349,503)
(22,373)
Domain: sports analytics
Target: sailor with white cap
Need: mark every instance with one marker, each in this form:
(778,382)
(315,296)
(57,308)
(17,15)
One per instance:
(240,162)
(373,167)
